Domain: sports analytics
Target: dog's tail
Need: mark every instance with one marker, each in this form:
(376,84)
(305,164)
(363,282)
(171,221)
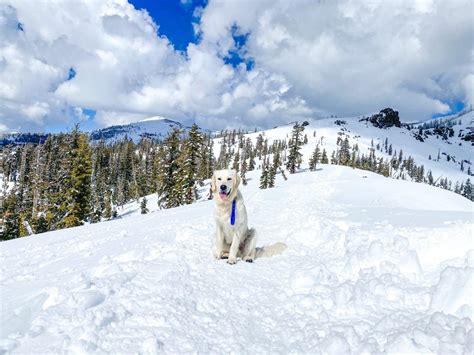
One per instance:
(270,250)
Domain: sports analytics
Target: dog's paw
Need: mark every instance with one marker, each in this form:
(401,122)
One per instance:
(232,260)
(248,259)
(225,255)
(217,254)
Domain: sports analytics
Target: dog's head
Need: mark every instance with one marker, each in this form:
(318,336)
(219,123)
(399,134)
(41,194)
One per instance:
(224,184)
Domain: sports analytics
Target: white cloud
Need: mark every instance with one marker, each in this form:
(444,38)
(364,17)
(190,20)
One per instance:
(355,57)
(312,58)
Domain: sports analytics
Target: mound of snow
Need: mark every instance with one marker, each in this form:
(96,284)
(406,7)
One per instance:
(454,291)
(373,265)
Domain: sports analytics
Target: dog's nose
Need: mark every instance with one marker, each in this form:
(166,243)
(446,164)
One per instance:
(223,187)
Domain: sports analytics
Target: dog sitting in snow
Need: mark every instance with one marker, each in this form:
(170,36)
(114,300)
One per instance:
(233,237)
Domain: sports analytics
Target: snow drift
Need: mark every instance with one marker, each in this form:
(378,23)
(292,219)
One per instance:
(372,265)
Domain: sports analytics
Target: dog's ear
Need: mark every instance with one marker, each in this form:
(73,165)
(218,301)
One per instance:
(237,180)
(213,183)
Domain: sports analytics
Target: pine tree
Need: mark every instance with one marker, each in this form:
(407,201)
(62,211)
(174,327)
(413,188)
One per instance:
(41,224)
(344,153)
(271,177)
(169,194)
(324,157)
(252,161)
(315,157)
(272,170)
(79,195)
(467,190)
(11,217)
(264,177)
(188,169)
(295,144)
(207,161)
(143,206)
(107,214)
(430,178)
(236,164)
(243,171)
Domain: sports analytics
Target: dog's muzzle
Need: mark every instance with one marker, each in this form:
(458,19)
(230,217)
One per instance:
(223,194)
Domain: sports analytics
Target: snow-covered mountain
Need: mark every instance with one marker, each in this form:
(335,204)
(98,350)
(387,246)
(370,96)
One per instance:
(442,147)
(373,265)
(154,127)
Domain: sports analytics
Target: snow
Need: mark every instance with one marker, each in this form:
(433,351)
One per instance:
(373,265)
(154,127)
(363,133)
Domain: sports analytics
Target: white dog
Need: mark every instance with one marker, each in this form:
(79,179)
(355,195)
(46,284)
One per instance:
(233,238)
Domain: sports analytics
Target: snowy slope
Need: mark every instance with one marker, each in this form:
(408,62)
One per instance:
(154,127)
(364,133)
(373,264)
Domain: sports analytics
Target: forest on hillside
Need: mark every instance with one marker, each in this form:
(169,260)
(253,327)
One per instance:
(68,181)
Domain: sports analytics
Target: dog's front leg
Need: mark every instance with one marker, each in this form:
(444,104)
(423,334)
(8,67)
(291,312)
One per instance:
(234,248)
(219,247)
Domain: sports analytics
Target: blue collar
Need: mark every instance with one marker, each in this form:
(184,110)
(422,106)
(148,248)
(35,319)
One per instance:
(232,215)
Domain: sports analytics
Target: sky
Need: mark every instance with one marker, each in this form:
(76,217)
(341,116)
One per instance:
(229,64)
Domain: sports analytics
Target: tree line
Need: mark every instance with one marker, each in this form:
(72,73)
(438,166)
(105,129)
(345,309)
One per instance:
(67,181)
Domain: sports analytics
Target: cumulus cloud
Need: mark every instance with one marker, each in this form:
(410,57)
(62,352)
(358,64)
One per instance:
(310,59)
(354,57)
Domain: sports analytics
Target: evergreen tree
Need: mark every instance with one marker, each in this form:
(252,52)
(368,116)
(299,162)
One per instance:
(143,206)
(79,195)
(264,177)
(11,217)
(107,214)
(467,190)
(272,170)
(344,153)
(324,157)
(41,224)
(188,169)
(169,194)
(315,157)
(236,164)
(252,161)
(207,161)
(243,171)
(430,178)
(295,144)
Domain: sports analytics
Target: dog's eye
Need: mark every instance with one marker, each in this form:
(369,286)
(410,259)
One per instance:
(228,179)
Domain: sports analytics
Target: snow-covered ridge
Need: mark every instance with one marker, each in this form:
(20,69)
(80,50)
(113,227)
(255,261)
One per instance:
(452,148)
(373,265)
(154,127)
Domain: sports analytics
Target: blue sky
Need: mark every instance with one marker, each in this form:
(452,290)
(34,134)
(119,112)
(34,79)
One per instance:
(231,63)
(174,18)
